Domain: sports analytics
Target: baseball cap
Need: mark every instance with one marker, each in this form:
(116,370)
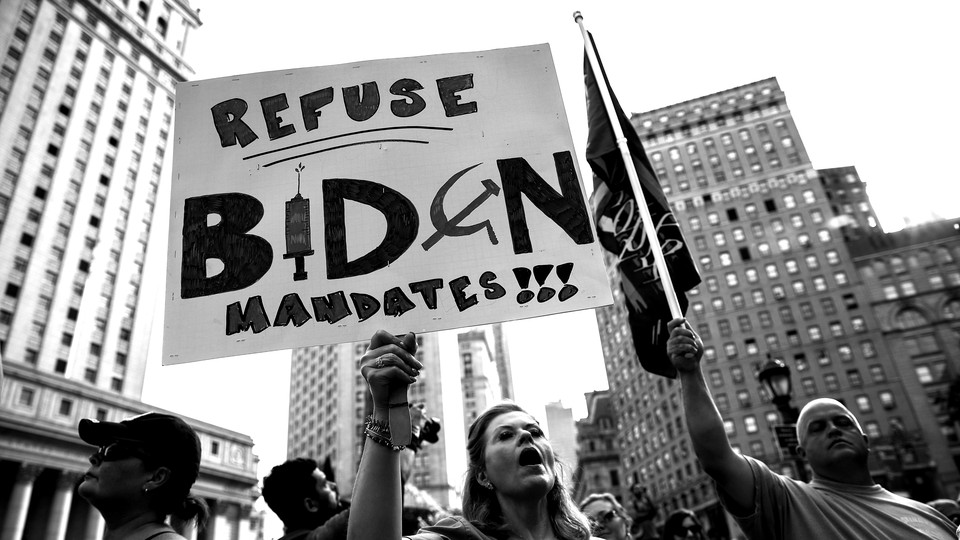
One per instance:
(165,436)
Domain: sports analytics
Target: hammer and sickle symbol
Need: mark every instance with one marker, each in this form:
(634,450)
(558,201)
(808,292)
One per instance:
(452,227)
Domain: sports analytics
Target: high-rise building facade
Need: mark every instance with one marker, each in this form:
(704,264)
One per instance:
(479,376)
(777,280)
(562,431)
(912,282)
(501,353)
(598,467)
(86,111)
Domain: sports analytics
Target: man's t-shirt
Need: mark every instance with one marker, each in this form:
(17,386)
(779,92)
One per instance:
(822,510)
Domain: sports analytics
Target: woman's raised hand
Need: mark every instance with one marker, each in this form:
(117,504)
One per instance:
(390,365)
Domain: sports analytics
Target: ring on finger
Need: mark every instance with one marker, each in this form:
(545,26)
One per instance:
(380,363)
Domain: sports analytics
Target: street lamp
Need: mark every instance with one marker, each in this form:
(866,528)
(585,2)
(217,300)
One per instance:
(775,375)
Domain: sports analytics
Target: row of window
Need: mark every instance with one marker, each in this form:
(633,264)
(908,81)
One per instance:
(698,109)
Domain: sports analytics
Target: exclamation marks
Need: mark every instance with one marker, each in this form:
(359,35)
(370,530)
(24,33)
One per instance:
(541,273)
(523,278)
(568,290)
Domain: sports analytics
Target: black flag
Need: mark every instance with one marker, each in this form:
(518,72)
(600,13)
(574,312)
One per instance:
(621,232)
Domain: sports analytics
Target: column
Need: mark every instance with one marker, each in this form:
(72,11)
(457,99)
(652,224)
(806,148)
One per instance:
(95,525)
(211,530)
(20,501)
(243,525)
(60,507)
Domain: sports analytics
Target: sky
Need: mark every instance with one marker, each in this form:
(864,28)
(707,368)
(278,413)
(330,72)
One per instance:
(868,84)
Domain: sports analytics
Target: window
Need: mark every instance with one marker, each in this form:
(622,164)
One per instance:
(766,321)
(729,428)
(731,278)
(66,407)
(886,400)
(716,378)
(876,373)
(845,352)
(793,338)
(868,350)
(812,262)
(758,297)
(730,349)
(836,328)
(791,266)
(841,278)
(819,283)
(215,448)
(809,387)
(799,287)
(752,275)
(786,315)
(725,258)
(831,382)
(800,361)
(772,271)
(695,224)
(779,293)
(26,396)
(863,404)
(854,378)
(750,424)
(814,333)
(719,239)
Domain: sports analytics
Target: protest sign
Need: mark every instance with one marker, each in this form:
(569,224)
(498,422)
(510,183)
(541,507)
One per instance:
(314,206)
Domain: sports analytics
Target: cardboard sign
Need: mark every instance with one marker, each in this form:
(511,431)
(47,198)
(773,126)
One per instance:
(317,205)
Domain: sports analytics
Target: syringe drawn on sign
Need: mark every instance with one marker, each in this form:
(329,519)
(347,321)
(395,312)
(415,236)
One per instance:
(297,229)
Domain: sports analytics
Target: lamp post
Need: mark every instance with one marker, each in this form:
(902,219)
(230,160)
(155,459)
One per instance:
(775,375)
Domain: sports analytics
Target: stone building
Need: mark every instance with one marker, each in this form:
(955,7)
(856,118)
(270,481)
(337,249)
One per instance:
(86,112)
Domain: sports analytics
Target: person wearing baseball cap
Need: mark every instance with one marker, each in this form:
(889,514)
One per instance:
(142,473)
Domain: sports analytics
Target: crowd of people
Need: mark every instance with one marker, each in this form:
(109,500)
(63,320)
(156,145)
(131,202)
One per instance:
(144,467)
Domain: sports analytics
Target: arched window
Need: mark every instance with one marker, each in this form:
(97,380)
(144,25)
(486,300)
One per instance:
(944,255)
(951,310)
(910,318)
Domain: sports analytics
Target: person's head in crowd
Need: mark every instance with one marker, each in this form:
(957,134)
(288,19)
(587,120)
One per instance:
(608,519)
(831,439)
(300,494)
(142,472)
(683,524)
(947,507)
(511,462)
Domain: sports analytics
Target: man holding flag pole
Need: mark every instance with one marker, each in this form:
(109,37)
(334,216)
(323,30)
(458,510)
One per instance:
(842,501)
(631,209)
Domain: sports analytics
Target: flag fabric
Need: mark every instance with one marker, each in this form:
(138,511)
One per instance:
(621,232)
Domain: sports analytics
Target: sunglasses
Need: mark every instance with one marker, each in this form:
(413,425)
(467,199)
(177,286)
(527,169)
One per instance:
(600,521)
(118,451)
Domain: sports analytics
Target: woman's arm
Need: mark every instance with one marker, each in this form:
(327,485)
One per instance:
(389,367)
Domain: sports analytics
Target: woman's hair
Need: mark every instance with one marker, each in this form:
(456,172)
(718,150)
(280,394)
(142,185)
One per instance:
(480,505)
(613,502)
(673,526)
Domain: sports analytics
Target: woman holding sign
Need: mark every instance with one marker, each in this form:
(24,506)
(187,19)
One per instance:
(512,487)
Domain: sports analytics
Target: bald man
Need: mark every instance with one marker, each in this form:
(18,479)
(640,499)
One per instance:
(841,502)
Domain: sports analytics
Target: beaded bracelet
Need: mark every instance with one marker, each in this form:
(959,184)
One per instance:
(382,441)
(377,426)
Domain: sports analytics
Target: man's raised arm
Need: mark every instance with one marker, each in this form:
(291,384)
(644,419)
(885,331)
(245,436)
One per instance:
(728,468)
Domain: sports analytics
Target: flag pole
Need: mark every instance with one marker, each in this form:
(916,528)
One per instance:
(648,227)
